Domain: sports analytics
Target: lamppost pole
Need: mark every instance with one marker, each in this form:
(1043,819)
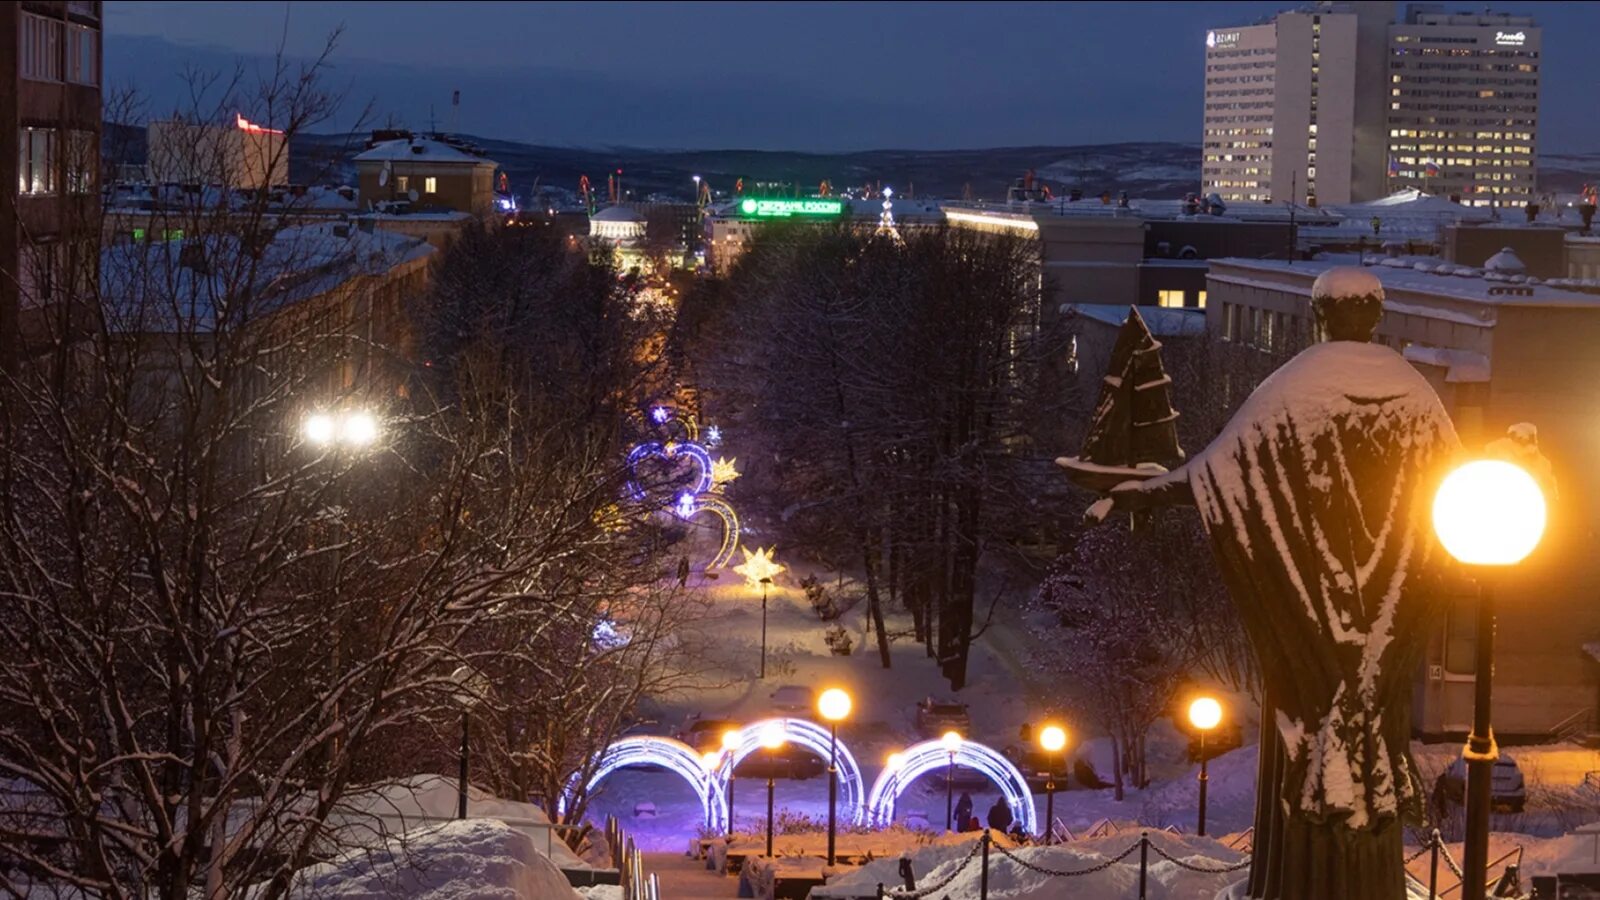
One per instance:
(1205,714)
(1053,739)
(765,583)
(466,745)
(834,705)
(949,793)
(772,737)
(1487,514)
(1204,780)
(1480,753)
(769,816)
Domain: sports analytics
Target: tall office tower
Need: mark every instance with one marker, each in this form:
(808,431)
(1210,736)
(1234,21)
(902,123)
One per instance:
(1295,107)
(1464,105)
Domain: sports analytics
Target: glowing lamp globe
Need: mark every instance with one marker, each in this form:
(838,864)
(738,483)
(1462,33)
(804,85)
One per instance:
(710,760)
(1205,713)
(895,761)
(834,704)
(318,429)
(951,742)
(358,429)
(1489,513)
(1052,738)
(772,736)
(730,740)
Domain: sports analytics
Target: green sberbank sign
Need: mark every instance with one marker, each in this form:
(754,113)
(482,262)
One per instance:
(780,208)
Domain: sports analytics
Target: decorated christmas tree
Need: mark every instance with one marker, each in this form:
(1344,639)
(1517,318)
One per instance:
(1133,433)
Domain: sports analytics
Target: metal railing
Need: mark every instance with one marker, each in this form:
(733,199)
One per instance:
(636,883)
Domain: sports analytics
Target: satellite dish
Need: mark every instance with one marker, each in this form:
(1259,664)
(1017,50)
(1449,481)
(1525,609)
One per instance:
(383,175)
(412,194)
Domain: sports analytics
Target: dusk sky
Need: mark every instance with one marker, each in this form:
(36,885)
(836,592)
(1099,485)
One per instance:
(800,76)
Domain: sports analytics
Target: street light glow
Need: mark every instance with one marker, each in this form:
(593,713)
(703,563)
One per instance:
(1205,713)
(730,739)
(772,736)
(711,759)
(358,429)
(319,429)
(1489,513)
(894,762)
(951,741)
(1052,738)
(834,704)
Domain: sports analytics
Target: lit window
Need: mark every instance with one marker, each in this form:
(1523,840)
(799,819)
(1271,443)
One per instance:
(1170,299)
(430,185)
(400,182)
(1202,303)
(36,158)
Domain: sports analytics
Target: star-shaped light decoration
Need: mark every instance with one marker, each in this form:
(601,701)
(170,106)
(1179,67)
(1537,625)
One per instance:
(758,565)
(722,472)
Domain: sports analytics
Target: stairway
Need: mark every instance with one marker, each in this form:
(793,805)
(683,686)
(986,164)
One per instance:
(683,878)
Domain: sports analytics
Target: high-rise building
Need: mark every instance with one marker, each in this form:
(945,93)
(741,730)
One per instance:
(1464,105)
(238,154)
(1241,64)
(1335,102)
(1295,107)
(48,236)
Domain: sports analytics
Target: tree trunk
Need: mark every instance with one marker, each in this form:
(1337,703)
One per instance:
(869,560)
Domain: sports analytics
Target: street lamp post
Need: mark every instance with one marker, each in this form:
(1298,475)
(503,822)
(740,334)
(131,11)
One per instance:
(730,743)
(834,704)
(346,431)
(952,743)
(772,738)
(470,686)
(1053,739)
(766,582)
(1204,714)
(1488,514)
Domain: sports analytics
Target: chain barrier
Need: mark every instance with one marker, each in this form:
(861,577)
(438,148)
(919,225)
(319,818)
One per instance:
(1059,873)
(904,894)
(1421,851)
(1204,870)
(1451,864)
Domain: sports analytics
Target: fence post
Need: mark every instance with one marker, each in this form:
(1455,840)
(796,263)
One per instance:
(1144,861)
(1433,866)
(983,877)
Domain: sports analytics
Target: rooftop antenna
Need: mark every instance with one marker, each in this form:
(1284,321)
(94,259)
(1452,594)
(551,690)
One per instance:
(455,111)
(1294,185)
(432,128)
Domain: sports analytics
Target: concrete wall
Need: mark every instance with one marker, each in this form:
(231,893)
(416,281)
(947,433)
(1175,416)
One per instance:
(1542,250)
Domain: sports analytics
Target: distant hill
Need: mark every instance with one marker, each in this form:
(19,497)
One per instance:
(1144,170)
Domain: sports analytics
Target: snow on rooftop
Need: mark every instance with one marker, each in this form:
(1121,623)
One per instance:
(1427,276)
(1162,321)
(420,149)
(1461,366)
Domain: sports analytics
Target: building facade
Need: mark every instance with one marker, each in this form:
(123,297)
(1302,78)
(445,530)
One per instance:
(1464,105)
(404,170)
(1338,103)
(51,109)
(240,154)
(1500,350)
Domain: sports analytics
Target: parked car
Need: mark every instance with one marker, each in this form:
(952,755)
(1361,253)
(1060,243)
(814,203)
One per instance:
(936,718)
(788,761)
(705,735)
(1037,766)
(1507,793)
(794,700)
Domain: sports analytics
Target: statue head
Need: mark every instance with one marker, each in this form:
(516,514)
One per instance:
(1348,304)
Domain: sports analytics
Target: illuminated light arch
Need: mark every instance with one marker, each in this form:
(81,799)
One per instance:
(813,737)
(690,505)
(669,450)
(930,756)
(649,750)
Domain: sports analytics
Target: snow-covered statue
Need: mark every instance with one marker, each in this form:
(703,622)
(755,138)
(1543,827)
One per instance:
(1316,497)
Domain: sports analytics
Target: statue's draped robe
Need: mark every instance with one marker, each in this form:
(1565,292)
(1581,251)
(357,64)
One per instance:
(1316,497)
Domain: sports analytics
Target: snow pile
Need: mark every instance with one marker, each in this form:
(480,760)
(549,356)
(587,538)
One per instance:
(1009,879)
(475,858)
(370,817)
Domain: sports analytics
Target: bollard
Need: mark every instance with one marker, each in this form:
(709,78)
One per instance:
(881,894)
(1144,861)
(1433,867)
(983,877)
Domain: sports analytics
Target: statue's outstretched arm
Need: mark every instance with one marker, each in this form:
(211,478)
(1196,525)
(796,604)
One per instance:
(1170,489)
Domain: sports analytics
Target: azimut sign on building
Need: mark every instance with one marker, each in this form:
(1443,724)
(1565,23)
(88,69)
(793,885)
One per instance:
(1221,38)
(1510,38)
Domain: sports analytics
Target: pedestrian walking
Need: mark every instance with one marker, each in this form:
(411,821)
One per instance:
(963,812)
(683,571)
(1000,816)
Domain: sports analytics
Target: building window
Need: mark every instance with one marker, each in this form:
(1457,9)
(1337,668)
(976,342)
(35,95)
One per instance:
(81,162)
(430,185)
(1202,300)
(36,157)
(1170,299)
(83,56)
(400,182)
(40,50)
